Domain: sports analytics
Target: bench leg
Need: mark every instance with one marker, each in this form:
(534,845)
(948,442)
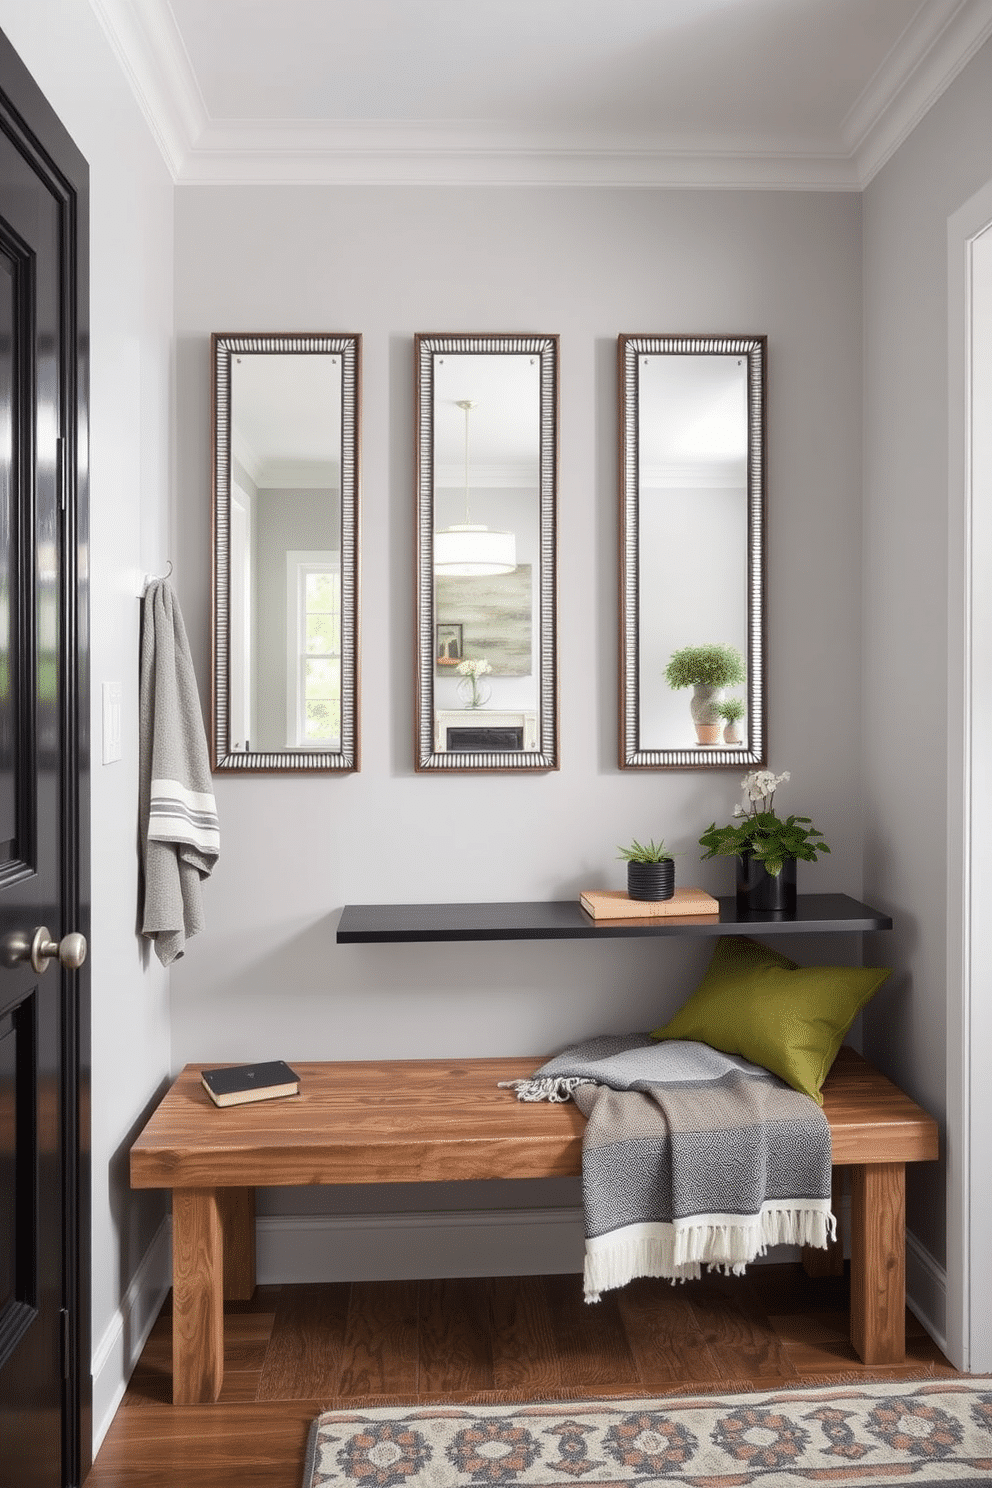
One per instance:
(237,1217)
(197,1296)
(878,1262)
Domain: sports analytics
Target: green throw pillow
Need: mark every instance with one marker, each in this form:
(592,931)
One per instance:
(790,1019)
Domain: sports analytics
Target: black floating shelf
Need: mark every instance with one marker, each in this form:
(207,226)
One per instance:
(564,919)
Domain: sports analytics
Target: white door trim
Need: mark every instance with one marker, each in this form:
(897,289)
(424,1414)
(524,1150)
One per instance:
(969,805)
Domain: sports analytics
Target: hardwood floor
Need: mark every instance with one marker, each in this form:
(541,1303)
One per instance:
(296,1350)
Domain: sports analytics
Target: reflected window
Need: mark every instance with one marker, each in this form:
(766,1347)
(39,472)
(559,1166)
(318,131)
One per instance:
(285,694)
(314,604)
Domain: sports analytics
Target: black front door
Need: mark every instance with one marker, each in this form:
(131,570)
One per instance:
(43,1024)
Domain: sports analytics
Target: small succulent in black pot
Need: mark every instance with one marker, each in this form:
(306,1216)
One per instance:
(650,870)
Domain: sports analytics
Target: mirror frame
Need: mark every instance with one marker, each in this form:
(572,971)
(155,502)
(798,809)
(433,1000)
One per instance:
(225,345)
(632,756)
(426,758)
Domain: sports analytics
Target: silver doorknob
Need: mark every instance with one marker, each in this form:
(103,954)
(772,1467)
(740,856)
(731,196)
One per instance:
(70,950)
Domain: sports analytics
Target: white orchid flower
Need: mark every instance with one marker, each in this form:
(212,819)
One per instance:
(759,786)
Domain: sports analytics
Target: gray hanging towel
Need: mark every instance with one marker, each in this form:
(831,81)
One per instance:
(180,837)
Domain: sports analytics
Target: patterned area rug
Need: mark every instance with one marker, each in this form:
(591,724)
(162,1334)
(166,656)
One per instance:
(854,1436)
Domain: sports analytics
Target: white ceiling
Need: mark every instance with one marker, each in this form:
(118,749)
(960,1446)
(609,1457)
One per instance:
(776,93)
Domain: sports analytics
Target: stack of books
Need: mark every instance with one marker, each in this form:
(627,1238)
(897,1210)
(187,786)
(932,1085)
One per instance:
(615,904)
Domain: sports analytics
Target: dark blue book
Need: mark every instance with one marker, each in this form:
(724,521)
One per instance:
(236,1084)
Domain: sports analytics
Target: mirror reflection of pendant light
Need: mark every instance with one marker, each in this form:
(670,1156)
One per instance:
(466,550)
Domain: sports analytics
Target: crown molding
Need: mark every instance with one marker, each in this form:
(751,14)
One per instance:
(283,473)
(938,41)
(245,455)
(146,42)
(282,152)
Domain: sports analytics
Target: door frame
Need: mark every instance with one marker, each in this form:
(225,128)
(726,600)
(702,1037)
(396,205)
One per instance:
(969,801)
(29,121)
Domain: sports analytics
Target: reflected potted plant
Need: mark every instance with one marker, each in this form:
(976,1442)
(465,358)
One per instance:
(650,870)
(708,670)
(766,847)
(732,711)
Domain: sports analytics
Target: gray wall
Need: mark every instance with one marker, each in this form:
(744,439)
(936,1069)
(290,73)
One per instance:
(266,975)
(944,162)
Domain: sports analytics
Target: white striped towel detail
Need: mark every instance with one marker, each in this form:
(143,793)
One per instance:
(180,815)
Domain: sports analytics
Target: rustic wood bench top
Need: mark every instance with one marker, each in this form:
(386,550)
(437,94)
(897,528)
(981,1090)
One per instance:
(421,1121)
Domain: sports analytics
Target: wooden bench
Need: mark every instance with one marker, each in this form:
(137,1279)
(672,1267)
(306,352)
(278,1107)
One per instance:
(420,1121)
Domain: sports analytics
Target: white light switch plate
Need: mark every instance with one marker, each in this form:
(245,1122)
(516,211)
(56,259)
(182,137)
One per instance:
(111,722)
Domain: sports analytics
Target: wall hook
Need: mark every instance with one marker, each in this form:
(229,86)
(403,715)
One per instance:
(154,579)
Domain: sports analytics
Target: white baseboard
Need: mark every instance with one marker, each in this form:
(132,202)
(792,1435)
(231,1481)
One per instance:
(926,1290)
(394,1247)
(124,1337)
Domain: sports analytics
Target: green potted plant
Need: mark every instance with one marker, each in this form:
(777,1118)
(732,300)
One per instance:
(707,670)
(732,710)
(766,846)
(650,870)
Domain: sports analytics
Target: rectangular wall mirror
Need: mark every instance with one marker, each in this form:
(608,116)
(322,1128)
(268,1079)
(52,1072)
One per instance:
(285,599)
(487,470)
(692,494)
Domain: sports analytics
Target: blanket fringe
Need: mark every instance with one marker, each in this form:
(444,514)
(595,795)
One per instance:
(678,1252)
(555,1089)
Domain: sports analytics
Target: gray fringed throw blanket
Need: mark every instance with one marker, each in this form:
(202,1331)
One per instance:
(689,1157)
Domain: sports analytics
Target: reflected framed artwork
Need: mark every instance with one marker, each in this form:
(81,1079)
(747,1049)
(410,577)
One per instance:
(486,604)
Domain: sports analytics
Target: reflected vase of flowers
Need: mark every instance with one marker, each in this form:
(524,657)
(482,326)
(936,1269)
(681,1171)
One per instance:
(473,692)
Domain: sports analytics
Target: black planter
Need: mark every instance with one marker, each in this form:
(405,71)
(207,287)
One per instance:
(768,893)
(651,880)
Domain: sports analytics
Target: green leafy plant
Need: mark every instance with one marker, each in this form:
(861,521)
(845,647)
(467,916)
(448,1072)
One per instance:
(637,852)
(760,831)
(732,709)
(705,666)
